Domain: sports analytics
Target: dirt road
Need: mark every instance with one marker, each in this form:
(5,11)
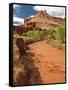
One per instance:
(50,62)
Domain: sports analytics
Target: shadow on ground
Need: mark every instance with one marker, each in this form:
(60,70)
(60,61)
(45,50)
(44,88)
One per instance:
(30,75)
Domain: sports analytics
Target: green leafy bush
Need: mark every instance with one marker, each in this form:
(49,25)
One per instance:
(51,34)
(56,36)
(35,35)
(61,33)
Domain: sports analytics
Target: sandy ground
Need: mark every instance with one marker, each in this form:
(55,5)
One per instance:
(49,61)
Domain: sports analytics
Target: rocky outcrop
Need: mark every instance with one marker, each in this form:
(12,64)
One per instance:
(43,20)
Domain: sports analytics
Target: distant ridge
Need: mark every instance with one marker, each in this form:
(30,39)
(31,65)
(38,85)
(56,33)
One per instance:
(42,20)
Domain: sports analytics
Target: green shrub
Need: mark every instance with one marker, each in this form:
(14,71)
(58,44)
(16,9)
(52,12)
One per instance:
(61,33)
(35,34)
(51,34)
(56,43)
(56,36)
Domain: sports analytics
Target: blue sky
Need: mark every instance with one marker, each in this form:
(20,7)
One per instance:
(20,12)
(24,11)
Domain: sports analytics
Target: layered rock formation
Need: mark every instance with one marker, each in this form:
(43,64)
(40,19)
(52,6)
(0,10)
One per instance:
(43,20)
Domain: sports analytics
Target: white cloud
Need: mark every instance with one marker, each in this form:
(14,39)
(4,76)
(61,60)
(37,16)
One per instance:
(53,11)
(32,16)
(15,5)
(17,19)
(38,8)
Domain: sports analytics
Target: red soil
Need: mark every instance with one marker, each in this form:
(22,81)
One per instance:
(50,62)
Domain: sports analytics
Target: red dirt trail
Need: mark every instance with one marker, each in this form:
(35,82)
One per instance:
(50,62)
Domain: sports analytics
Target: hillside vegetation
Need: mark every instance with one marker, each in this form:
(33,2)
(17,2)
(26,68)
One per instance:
(53,35)
(56,36)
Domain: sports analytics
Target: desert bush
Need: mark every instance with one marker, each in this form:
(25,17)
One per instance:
(51,34)
(34,35)
(56,36)
(60,34)
(56,43)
